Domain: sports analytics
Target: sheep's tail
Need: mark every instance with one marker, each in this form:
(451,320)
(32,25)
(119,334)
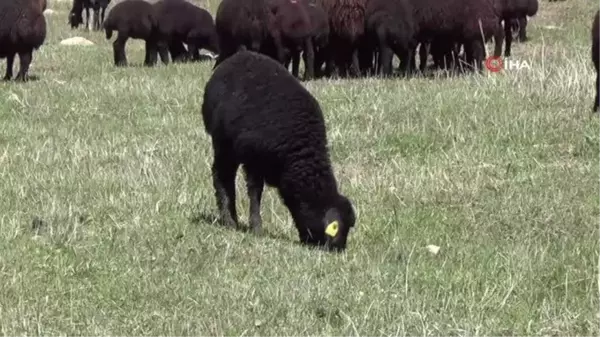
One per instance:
(349,21)
(532,7)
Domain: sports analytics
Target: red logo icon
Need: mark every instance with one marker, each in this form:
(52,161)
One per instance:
(494,64)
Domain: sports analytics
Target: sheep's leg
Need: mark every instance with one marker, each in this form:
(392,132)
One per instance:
(478,54)
(255,184)
(295,63)
(103,11)
(508,37)
(523,29)
(424,50)
(498,38)
(96,18)
(163,51)
(365,59)
(10,59)
(405,59)
(597,100)
(385,59)
(25,61)
(119,50)
(309,59)
(224,171)
(355,65)
(87,19)
(151,53)
(193,52)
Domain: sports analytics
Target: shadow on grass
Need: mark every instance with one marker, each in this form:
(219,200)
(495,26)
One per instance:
(30,78)
(211,219)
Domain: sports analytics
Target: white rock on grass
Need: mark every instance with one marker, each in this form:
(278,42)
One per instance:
(433,249)
(76,41)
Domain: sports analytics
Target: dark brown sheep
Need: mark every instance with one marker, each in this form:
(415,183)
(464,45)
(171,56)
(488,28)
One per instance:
(391,28)
(22,30)
(514,13)
(292,33)
(467,22)
(241,25)
(182,22)
(98,7)
(347,35)
(596,57)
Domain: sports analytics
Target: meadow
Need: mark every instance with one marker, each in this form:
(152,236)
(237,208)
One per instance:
(107,206)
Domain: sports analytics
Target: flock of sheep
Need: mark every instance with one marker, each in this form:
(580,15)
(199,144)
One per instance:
(257,113)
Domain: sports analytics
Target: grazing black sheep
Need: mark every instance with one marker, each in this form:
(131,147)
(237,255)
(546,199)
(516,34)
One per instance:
(98,7)
(459,21)
(133,19)
(596,56)
(514,13)
(182,22)
(259,116)
(241,25)
(390,25)
(22,30)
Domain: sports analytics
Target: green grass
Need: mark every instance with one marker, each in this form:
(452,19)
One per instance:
(501,171)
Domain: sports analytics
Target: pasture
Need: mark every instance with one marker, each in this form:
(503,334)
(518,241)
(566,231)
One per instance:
(107,205)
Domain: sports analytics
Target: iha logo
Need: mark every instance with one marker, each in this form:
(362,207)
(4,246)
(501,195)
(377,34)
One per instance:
(496,63)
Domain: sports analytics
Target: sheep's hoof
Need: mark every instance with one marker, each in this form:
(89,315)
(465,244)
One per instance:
(257,230)
(6,78)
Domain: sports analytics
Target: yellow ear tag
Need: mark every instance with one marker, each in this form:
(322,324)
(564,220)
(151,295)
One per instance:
(332,229)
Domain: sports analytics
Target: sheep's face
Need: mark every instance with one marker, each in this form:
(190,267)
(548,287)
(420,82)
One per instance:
(337,223)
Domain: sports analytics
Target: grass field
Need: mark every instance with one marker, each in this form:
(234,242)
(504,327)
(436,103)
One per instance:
(106,190)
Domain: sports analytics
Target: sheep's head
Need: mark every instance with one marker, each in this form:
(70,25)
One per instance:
(337,223)
(332,232)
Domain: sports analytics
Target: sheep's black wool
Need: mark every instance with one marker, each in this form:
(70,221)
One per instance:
(596,57)
(133,19)
(259,116)
(22,30)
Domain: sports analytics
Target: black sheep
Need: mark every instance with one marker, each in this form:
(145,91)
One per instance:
(133,19)
(390,25)
(259,116)
(514,13)
(182,22)
(22,30)
(241,25)
(459,21)
(596,57)
(98,7)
